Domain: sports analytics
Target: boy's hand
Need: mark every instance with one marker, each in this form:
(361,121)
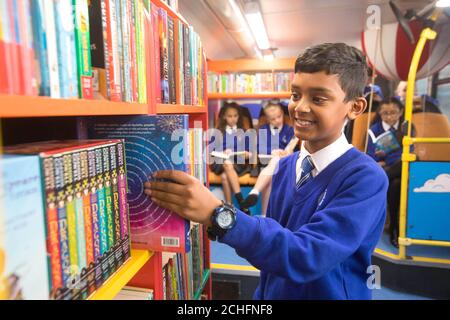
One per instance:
(279,153)
(186,196)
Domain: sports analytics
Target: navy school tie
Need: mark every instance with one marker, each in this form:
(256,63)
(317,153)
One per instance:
(307,168)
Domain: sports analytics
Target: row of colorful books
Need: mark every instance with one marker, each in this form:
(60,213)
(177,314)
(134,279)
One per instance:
(74,195)
(100,49)
(249,83)
(153,143)
(183,274)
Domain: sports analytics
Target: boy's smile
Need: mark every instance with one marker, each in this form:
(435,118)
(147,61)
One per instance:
(319,110)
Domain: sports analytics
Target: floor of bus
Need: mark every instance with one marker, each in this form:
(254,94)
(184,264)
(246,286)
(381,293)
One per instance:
(226,261)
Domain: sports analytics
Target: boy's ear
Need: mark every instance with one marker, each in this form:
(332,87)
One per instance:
(357,108)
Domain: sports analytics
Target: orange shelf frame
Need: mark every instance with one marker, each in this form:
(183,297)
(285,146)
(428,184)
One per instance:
(177,109)
(12,106)
(267,95)
(169,10)
(242,65)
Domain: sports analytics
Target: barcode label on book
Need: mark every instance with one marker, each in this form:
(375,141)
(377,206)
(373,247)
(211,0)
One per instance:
(170,242)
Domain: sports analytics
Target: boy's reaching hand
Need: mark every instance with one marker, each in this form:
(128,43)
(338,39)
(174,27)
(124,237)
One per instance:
(186,196)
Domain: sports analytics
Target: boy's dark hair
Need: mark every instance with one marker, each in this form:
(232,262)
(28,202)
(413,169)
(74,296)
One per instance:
(395,101)
(343,60)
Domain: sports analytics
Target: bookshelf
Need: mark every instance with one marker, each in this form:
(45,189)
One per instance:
(122,276)
(144,268)
(263,95)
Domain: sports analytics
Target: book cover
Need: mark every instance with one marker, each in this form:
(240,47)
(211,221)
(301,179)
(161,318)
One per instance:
(150,148)
(83,49)
(385,142)
(171,57)
(156,63)
(164,56)
(23,254)
(65,36)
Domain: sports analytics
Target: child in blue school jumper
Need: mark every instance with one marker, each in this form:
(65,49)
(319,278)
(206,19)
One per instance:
(327,206)
(273,138)
(233,140)
(390,117)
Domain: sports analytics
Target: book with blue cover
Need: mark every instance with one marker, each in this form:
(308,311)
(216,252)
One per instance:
(150,147)
(23,254)
(385,142)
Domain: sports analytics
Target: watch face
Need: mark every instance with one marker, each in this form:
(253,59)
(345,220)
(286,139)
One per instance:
(225,219)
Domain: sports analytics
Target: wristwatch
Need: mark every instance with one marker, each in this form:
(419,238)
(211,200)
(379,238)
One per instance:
(222,220)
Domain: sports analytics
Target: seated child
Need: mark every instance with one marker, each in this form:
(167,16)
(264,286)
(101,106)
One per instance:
(230,125)
(277,139)
(389,117)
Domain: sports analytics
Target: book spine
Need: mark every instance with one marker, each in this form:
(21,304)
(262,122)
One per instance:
(71,215)
(187,67)
(102,213)
(120,46)
(65,34)
(133,51)
(116,207)
(86,198)
(164,56)
(6,76)
(180,82)
(14,45)
(80,228)
(40,45)
(122,184)
(62,219)
(53,239)
(171,57)
(156,51)
(94,214)
(28,81)
(109,210)
(142,67)
(83,51)
(126,49)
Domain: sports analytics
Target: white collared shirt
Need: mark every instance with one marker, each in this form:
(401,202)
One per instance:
(324,157)
(230,130)
(273,130)
(386,127)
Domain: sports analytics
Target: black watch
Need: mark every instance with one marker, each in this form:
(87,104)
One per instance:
(222,220)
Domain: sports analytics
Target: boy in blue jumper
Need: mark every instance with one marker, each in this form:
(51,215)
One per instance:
(327,206)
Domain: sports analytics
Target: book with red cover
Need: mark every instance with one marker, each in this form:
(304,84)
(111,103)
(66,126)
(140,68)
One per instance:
(6,34)
(156,52)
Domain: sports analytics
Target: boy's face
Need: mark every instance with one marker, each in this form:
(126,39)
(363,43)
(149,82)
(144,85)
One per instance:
(390,113)
(275,116)
(318,109)
(231,117)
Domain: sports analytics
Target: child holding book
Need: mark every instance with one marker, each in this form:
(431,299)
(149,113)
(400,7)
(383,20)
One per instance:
(327,204)
(389,119)
(276,139)
(234,141)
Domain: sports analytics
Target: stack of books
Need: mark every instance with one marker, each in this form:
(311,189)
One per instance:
(86,213)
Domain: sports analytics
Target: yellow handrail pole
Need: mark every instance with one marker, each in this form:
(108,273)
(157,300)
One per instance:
(427,34)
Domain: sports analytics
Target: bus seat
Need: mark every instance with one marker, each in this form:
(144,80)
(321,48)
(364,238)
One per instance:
(432,125)
(360,130)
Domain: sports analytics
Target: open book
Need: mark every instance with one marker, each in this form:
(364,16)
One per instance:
(386,142)
(225,156)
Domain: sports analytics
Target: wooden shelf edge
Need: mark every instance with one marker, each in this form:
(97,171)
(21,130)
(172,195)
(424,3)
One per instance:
(263,95)
(12,106)
(113,285)
(177,109)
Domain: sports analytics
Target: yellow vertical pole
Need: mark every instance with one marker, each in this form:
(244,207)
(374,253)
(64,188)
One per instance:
(407,157)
